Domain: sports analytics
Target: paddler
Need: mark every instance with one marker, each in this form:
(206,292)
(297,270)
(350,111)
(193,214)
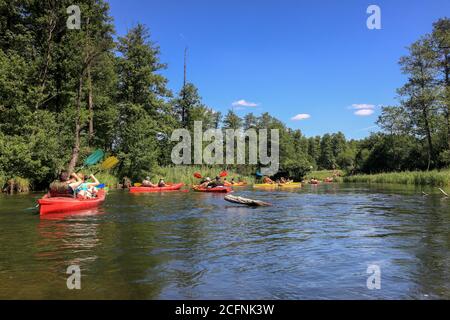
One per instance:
(147,183)
(161,183)
(66,184)
(267,180)
(216,183)
(87,189)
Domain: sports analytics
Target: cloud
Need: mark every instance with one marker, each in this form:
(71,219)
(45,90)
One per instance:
(244,103)
(364,112)
(363,109)
(301,116)
(359,106)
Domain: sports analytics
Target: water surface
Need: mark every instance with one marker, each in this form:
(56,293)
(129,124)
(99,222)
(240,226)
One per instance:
(314,243)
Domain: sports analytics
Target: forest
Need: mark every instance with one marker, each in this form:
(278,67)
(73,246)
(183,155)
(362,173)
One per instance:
(65,93)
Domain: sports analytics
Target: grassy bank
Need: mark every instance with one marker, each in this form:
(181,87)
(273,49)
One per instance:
(185,174)
(431,178)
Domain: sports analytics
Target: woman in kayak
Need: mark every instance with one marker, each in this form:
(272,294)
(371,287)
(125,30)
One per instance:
(147,183)
(66,184)
(88,189)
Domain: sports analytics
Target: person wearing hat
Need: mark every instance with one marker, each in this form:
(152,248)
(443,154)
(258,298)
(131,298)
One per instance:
(147,183)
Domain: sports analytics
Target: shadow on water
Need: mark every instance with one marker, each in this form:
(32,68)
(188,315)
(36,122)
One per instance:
(316,242)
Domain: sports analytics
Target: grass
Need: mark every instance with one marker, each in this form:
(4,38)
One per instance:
(185,174)
(20,184)
(431,178)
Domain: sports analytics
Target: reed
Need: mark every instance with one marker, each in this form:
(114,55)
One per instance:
(108,179)
(431,178)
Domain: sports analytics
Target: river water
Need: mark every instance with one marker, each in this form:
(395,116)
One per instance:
(314,243)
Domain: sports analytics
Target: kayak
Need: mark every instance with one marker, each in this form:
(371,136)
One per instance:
(275,185)
(171,187)
(215,189)
(236,184)
(48,204)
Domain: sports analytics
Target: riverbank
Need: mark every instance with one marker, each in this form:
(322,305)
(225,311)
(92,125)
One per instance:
(433,178)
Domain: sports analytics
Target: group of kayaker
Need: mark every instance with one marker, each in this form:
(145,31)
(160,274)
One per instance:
(148,183)
(75,184)
(281,180)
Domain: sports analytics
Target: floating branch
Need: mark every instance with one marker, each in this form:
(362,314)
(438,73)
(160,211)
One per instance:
(246,201)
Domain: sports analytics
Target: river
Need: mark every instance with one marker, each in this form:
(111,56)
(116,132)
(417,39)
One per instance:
(314,243)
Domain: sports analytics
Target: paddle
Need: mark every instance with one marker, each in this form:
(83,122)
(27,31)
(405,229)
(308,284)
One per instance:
(94,158)
(259,174)
(109,163)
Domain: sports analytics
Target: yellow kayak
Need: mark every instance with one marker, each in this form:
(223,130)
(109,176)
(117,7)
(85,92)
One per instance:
(281,185)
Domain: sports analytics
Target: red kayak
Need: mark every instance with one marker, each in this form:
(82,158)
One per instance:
(215,189)
(171,187)
(48,204)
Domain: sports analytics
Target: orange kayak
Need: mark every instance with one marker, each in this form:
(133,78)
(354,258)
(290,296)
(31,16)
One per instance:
(215,189)
(172,187)
(236,184)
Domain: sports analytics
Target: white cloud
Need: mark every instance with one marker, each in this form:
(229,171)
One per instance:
(364,112)
(359,106)
(244,103)
(301,116)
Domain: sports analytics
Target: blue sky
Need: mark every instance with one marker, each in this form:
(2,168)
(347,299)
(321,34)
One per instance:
(289,57)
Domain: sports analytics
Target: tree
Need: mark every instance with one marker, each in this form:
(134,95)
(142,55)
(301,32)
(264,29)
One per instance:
(419,93)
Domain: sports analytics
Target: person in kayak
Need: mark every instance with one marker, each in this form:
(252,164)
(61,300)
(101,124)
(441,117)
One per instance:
(267,180)
(204,183)
(216,183)
(148,183)
(88,190)
(66,184)
(161,183)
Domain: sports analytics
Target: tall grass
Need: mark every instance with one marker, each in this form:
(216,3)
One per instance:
(2,181)
(185,174)
(431,178)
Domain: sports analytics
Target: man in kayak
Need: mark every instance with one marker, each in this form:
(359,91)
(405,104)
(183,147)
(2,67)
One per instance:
(88,190)
(147,183)
(66,184)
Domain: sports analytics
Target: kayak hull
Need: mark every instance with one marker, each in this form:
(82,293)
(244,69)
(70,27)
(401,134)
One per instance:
(48,204)
(172,187)
(213,190)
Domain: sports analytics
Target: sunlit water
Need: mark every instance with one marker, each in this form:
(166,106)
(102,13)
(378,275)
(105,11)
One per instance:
(314,243)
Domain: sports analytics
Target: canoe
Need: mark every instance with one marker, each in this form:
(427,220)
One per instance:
(48,204)
(171,187)
(215,189)
(274,185)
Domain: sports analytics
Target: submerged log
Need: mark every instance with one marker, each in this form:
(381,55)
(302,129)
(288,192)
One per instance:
(246,201)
